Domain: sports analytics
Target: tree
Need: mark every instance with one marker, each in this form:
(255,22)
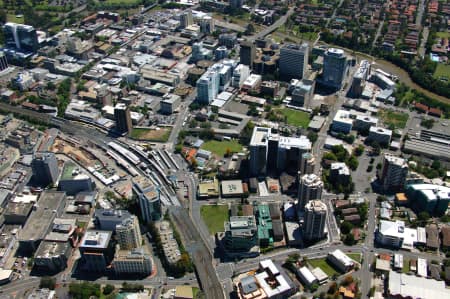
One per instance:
(359,150)
(108,289)
(353,163)
(312,136)
(227,152)
(349,240)
(423,216)
(346,227)
(47,282)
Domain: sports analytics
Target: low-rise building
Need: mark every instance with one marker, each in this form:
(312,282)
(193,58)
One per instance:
(431,198)
(73,180)
(170,103)
(339,173)
(52,256)
(134,261)
(342,123)
(340,260)
(208,189)
(232,188)
(306,276)
(241,234)
(401,285)
(380,135)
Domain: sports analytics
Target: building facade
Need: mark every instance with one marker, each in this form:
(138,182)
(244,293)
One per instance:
(293,61)
(310,188)
(129,234)
(314,220)
(393,173)
(247,53)
(122,116)
(335,68)
(45,168)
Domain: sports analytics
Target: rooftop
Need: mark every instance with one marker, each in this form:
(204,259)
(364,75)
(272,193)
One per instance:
(96,239)
(416,287)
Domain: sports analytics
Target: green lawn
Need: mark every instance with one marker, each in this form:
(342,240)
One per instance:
(392,118)
(161,135)
(443,34)
(214,217)
(355,256)
(13,18)
(220,147)
(323,264)
(442,71)
(296,117)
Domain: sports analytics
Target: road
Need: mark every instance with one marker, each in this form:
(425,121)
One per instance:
(380,27)
(272,27)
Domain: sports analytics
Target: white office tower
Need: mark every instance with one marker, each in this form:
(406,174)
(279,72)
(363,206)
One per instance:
(359,78)
(208,86)
(393,173)
(293,61)
(310,188)
(240,74)
(129,233)
(314,220)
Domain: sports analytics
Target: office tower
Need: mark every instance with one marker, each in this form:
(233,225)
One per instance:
(258,150)
(20,37)
(122,117)
(359,78)
(307,164)
(303,93)
(272,153)
(200,53)
(240,74)
(310,188)
(393,173)
(3,61)
(293,61)
(207,25)
(247,53)
(129,233)
(45,168)
(241,233)
(148,198)
(314,220)
(334,68)
(208,86)
(186,18)
(97,250)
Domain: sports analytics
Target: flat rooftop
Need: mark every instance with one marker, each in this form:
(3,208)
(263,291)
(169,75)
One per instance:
(96,239)
(260,136)
(47,209)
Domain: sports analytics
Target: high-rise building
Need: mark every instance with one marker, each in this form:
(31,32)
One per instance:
(293,61)
(200,53)
(186,18)
(97,250)
(21,37)
(240,74)
(314,220)
(273,153)
(359,78)
(207,25)
(122,116)
(208,86)
(148,198)
(129,234)
(45,168)
(307,164)
(247,53)
(393,173)
(3,61)
(310,188)
(241,233)
(335,67)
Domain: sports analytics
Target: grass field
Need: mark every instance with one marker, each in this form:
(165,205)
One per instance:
(296,117)
(355,256)
(442,71)
(220,147)
(443,34)
(13,18)
(214,217)
(393,118)
(161,135)
(323,264)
